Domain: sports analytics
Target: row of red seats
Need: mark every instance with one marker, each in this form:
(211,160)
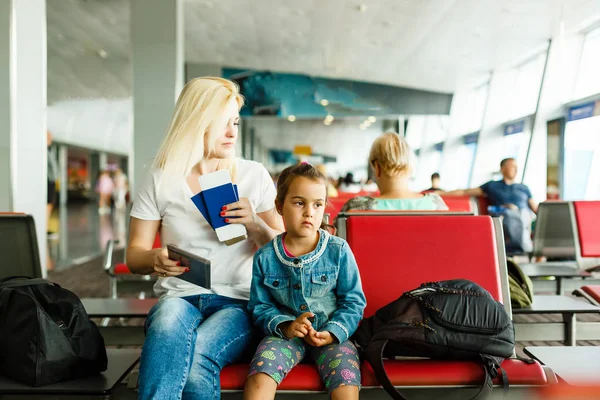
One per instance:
(477,206)
(389,251)
(474,250)
(587,216)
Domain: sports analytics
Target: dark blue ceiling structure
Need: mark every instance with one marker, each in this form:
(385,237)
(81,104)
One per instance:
(282,95)
(288,157)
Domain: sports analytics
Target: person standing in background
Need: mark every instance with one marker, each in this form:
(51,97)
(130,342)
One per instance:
(121,188)
(52,177)
(104,188)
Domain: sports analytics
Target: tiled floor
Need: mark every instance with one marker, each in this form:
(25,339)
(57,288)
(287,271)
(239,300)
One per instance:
(80,233)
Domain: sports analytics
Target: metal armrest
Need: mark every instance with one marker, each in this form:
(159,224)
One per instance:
(108,255)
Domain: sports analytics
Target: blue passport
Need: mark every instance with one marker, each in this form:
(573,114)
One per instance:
(200,204)
(215,198)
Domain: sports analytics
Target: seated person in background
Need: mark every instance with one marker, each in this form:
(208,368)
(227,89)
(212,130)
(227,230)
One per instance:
(512,201)
(348,185)
(435,183)
(504,193)
(301,317)
(390,160)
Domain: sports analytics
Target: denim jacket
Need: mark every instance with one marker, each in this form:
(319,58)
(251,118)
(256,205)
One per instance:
(325,282)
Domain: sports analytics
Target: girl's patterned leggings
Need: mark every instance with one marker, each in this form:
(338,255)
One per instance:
(337,363)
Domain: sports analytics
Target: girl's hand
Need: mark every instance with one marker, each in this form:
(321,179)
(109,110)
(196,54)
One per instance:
(165,267)
(318,339)
(241,211)
(298,328)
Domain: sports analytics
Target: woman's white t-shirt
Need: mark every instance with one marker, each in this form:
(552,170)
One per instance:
(183,225)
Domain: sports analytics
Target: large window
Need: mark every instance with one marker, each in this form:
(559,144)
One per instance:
(425,130)
(515,143)
(422,133)
(528,80)
(467,111)
(588,79)
(457,167)
(582,158)
(414,131)
(429,162)
(515,91)
(436,129)
(466,116)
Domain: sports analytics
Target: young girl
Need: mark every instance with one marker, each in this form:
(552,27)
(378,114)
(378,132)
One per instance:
(306,294)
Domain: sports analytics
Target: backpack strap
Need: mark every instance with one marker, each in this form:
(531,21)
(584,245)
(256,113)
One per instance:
(374,355)
(490,368)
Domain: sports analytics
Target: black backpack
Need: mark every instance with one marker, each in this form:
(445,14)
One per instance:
(45,334)
(455,319)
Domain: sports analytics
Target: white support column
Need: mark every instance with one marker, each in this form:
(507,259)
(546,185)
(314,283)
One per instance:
(63,153)
(157,39)
(23,168)
(102,161)
(63,198)
(94,163)
(5,107)
(401,130)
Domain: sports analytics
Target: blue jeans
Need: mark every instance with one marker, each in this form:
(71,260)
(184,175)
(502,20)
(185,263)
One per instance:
(188,341)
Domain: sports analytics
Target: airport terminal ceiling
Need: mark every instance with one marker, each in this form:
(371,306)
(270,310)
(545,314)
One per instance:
(466,50)
(430,45)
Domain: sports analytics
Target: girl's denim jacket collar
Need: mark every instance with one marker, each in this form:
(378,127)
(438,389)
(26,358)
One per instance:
(325,282)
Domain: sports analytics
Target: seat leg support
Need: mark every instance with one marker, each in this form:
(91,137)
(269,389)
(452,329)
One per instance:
(559,285)
(570,321)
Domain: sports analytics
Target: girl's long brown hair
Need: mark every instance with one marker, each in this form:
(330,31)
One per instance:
(288,176)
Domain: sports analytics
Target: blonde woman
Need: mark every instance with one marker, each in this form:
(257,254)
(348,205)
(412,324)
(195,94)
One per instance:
(192,333)
(390,160)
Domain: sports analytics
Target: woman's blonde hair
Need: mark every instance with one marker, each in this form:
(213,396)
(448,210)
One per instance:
(200,111)
(392,153)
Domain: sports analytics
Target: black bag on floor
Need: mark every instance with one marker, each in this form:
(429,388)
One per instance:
(456,320)
(45,334)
